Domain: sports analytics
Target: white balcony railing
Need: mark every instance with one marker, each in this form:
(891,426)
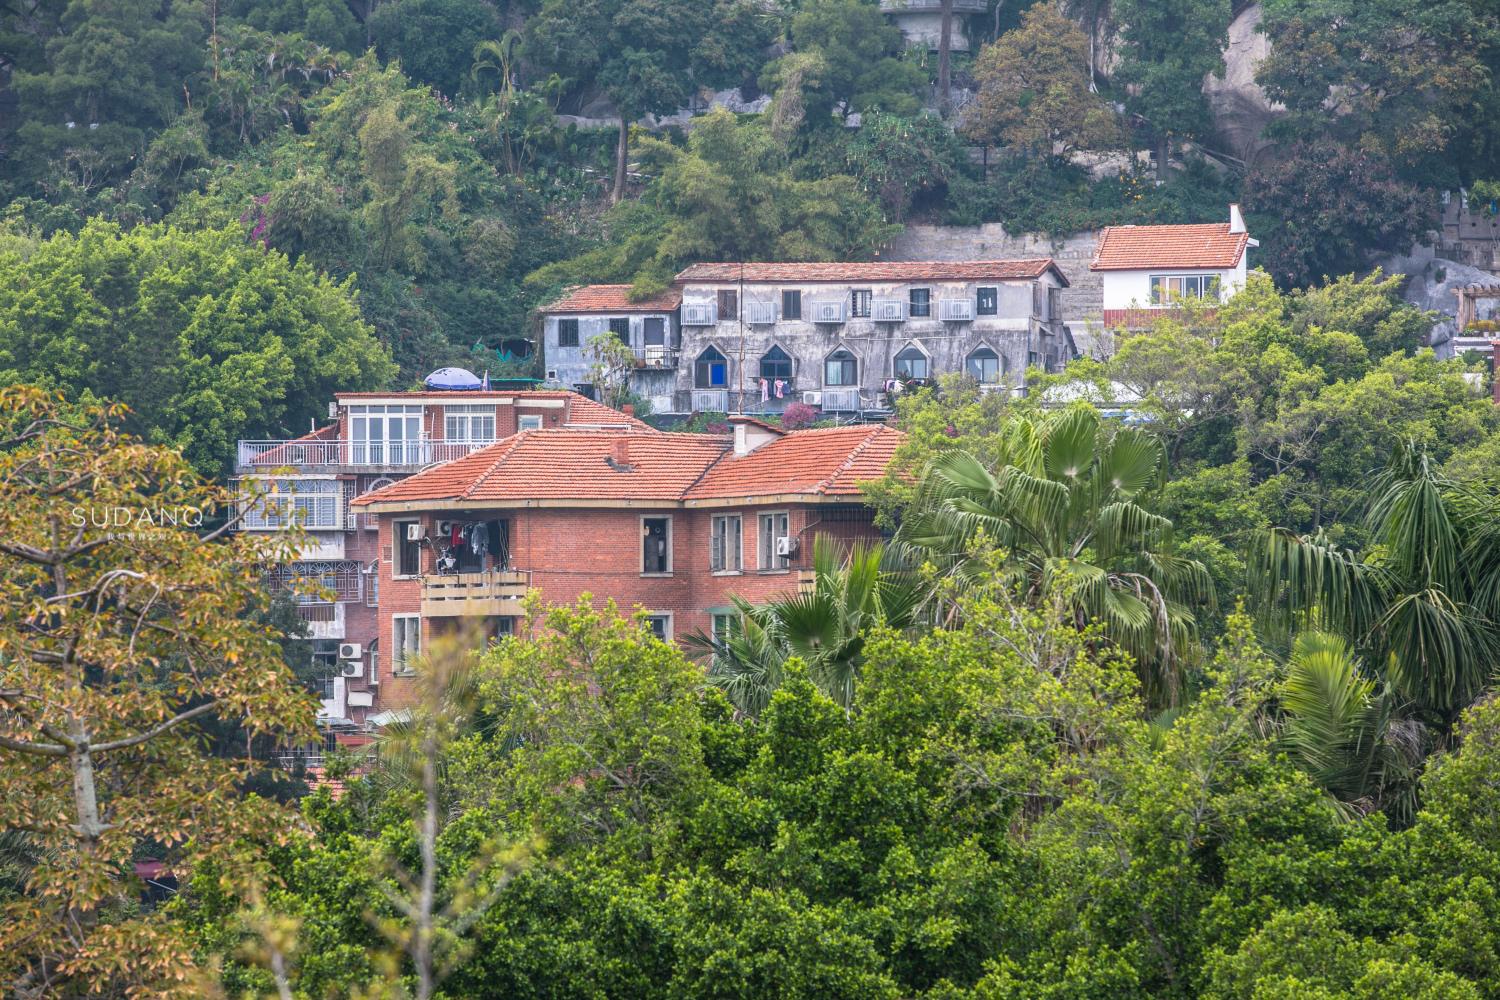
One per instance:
(710,400)
(316,454)
(841,400)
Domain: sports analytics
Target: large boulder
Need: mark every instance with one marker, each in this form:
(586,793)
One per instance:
(1432,284)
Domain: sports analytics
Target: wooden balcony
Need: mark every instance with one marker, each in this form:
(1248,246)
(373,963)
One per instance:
(490,593)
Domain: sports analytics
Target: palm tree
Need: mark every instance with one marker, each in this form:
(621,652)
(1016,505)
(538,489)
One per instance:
(826,627)
(1423,600)
(1064,516)
(1347,731)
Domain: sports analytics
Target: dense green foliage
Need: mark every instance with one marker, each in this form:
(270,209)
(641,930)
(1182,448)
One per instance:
(207,338)
(995,819)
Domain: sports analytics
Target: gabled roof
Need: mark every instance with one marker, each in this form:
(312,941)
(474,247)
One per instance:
(611,299)
(831,462)
(1133,248)
(880,270)
(594,467)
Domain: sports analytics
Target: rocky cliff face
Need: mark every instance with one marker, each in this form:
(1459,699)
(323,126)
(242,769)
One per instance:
(1240,107)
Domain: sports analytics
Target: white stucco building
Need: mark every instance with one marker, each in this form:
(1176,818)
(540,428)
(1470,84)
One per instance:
(1144,269)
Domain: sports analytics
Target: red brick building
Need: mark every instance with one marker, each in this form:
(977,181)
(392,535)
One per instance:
(372,441)
(671,523)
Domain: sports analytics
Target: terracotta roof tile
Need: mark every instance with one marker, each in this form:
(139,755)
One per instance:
(575,464)
(831,462)
(880,270)
(611,299)
(1208,245)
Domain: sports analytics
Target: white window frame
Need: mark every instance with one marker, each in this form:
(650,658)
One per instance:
(1194,286)
(766,558)
(529,422)
(666,619)
(386,449)
(722,559)
(459,424)
(406,644)
(656,517)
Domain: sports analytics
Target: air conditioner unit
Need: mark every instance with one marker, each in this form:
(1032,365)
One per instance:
(828,312)
(888,310)
(349,651)
(760,313)
(786,545)
(698,313)
(812,398)
(353,668)
(445,527)
(956,310)
(414,532)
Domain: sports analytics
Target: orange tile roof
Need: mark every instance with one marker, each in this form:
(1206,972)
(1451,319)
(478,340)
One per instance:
(880,270)
(571,464)
(1207,245)
(611,299)
(583,410)
(831,462)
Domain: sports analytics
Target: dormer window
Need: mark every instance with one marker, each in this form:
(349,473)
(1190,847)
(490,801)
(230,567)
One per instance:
(776,364)
(984,365)
(841,368)
(711,370)
(911,363)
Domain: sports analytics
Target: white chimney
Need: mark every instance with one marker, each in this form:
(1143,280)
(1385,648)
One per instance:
(1236,220)
(750,434)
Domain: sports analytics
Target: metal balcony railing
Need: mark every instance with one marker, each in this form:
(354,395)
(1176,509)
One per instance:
(655,357)
(332,454)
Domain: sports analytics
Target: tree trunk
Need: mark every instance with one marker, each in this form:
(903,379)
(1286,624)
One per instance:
(426,898)
(945,60)
(1163,151)
(622,155)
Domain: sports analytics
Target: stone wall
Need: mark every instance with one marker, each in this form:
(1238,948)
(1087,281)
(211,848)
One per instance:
(1080,300)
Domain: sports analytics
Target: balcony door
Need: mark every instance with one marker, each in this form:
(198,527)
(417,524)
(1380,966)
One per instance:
(385,435)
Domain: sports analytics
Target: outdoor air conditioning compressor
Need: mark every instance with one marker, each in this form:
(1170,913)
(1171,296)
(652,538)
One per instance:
(786,545)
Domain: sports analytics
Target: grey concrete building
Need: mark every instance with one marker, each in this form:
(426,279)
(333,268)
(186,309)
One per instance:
(842,337)
(648,327)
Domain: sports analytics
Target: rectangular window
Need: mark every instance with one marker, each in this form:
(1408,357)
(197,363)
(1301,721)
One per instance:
(656,545)
(988,302)
(386,435)
(791,303)
(620,327)
(408,552)
(921,302)
(660,626)
(729,305)
(567,333)
(471,424)
(529,422)
(406,642)
(859,303)
(772,528)
(1169,288)
(722,624)
(725,544)
(654,331)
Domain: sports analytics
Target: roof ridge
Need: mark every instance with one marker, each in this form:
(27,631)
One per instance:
(849,459)
(509,444)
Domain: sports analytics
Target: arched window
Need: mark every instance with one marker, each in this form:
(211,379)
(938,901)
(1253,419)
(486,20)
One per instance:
(775,364)
(711,370)
(841,368)
(911,363)
(984,364)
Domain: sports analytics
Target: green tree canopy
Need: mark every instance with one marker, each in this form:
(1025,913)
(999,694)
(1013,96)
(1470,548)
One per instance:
(207,338)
